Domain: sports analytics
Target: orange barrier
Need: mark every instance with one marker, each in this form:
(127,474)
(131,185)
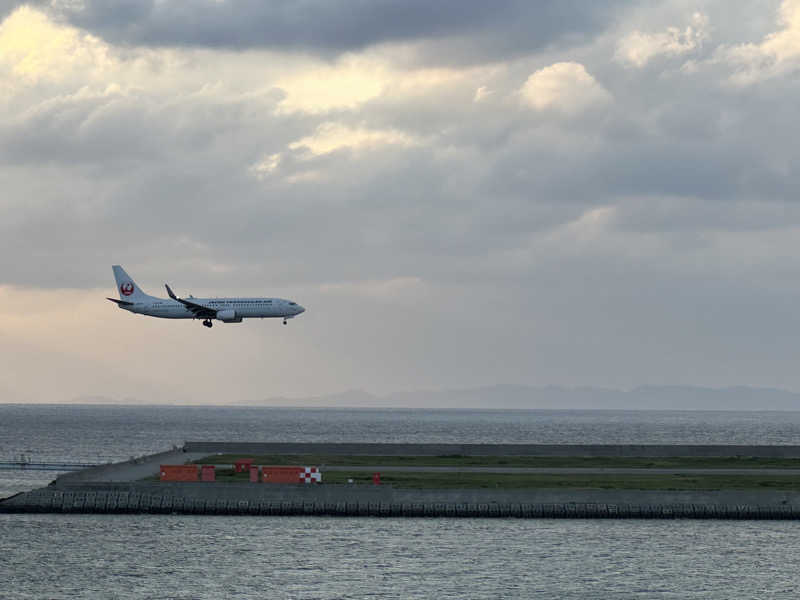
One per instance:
(242,465)
(281,474)
(207,473)
(290,475)
(178,472)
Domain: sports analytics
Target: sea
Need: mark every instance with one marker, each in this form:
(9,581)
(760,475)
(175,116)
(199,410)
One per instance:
(197,557)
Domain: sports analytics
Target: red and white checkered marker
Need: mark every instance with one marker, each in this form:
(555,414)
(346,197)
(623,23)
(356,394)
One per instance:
(311,475)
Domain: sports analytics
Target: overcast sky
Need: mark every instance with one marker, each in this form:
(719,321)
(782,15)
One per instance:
(461,193)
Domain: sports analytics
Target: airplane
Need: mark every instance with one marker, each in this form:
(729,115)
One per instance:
(227,310)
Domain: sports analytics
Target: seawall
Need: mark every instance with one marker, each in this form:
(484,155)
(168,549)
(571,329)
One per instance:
(384,501)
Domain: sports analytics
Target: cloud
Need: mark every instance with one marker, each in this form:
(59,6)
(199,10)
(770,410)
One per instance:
(407,290)
(476,29)
(345,84)
(350,82)
(33,48)
(638,48)
(564,87)
(492,184)
(775,55)
(332,136)
(482,94)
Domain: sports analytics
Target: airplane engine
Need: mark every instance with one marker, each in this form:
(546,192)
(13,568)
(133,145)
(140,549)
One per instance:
(228,316)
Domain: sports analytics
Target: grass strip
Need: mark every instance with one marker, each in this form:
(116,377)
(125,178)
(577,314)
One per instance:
(421,480)
(743,462)
(529,481)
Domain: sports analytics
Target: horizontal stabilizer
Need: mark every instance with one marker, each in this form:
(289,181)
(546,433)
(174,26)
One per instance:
(121,302)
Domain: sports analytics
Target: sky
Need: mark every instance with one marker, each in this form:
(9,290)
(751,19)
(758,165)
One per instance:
(460,193)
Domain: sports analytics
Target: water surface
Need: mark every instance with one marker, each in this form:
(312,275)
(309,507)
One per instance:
(163,556)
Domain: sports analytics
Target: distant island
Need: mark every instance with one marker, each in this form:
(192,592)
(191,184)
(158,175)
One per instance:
(556,397)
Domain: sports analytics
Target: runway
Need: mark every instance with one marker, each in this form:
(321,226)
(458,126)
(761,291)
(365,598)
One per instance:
(565,471)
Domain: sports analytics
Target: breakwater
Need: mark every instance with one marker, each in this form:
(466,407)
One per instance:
(384,501)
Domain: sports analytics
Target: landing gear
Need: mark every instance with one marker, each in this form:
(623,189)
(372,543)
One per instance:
(284,321)
(207,323)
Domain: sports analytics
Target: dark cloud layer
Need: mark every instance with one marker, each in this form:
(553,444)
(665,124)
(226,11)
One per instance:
(335,26)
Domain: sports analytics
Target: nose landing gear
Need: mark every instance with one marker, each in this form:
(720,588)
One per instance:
(284,321)
(207,323)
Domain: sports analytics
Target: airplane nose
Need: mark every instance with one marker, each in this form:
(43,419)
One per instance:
(300,309)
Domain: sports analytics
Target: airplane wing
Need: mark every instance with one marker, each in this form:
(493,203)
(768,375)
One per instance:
(198,310)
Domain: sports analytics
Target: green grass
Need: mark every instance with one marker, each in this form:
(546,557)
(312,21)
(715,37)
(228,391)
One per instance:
(529,481)
(230,475)
(422,480)
(510,461)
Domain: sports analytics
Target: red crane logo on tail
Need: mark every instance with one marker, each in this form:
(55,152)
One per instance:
(126,289)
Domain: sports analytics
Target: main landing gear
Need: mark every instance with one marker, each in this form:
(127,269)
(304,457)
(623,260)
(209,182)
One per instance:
(207,323)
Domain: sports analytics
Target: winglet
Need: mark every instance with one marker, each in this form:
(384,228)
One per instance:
(198,310)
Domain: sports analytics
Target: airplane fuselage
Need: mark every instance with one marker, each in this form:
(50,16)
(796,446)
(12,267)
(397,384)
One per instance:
(227,310)
(243,308)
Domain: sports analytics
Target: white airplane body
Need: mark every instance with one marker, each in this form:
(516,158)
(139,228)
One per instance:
(227,310)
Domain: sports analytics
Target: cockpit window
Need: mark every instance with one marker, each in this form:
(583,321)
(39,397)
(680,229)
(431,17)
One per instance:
(292,303)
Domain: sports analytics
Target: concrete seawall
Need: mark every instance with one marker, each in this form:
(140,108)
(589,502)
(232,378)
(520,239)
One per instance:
(384,501)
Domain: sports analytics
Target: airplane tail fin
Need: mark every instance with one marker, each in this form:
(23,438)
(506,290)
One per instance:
(128,290)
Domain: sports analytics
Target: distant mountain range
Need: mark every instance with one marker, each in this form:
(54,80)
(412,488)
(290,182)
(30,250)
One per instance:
(555,397)
(651,397)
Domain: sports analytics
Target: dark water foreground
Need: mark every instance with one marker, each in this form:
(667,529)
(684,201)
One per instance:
(68,556)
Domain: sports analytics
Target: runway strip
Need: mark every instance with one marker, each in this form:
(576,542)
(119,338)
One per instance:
(556,470)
